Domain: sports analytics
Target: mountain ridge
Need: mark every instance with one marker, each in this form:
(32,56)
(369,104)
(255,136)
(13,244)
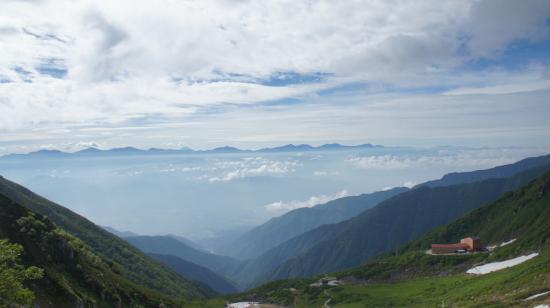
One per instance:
(91,151)
(293,223)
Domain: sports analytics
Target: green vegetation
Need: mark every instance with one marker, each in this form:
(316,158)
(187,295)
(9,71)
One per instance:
(503,288)
(13,274)
(120,257)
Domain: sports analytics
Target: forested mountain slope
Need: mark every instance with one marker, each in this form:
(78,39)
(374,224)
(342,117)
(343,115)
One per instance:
(120,256)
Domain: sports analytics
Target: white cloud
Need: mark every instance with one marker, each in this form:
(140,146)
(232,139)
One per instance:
(466,157)
(312,201)
(408,184)
(325,173)
(253,167)
(380,162)
(503,88)
(169,61)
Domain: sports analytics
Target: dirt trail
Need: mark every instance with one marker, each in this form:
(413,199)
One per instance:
(328,300)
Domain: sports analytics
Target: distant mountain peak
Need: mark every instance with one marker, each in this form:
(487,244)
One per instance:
(126,149)
(224,149)
(90,150)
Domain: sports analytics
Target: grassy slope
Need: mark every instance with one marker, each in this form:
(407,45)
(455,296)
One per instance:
(415,279)
(503,288)
(121,257)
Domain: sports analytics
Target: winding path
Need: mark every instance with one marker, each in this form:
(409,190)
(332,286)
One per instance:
(328,300)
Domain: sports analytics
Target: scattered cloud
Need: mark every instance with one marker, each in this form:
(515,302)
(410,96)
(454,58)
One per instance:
(408,184)
(253,167)
(75,66)
(325,173)
(452,156)
(380,162)
(312,201)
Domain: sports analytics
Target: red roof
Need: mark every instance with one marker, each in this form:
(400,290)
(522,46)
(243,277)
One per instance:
(451,246)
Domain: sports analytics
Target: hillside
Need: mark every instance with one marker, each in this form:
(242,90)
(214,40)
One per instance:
(416,279)
(261,268)
(168,245)
(73,274)
(198,273)
(280,229)
(121,257)
(390,224)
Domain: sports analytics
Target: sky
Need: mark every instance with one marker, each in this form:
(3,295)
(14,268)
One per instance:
(251,74)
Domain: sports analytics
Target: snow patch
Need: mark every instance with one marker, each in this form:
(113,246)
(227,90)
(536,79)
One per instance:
(508,242)
(536,296)
(495,266)
(542,306)
(242,305)
(493,247)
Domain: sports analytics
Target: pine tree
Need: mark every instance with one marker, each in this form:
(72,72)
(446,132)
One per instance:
(13,274)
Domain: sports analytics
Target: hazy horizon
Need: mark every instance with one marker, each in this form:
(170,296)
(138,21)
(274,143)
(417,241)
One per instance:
(202,194)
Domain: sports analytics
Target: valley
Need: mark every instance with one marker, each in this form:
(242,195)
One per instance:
(274,154)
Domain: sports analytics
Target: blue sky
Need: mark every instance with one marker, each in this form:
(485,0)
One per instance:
(253,74)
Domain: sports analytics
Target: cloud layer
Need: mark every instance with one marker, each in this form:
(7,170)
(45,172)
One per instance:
(69,67)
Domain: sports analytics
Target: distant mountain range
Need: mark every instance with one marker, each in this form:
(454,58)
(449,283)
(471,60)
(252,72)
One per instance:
(155,151)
